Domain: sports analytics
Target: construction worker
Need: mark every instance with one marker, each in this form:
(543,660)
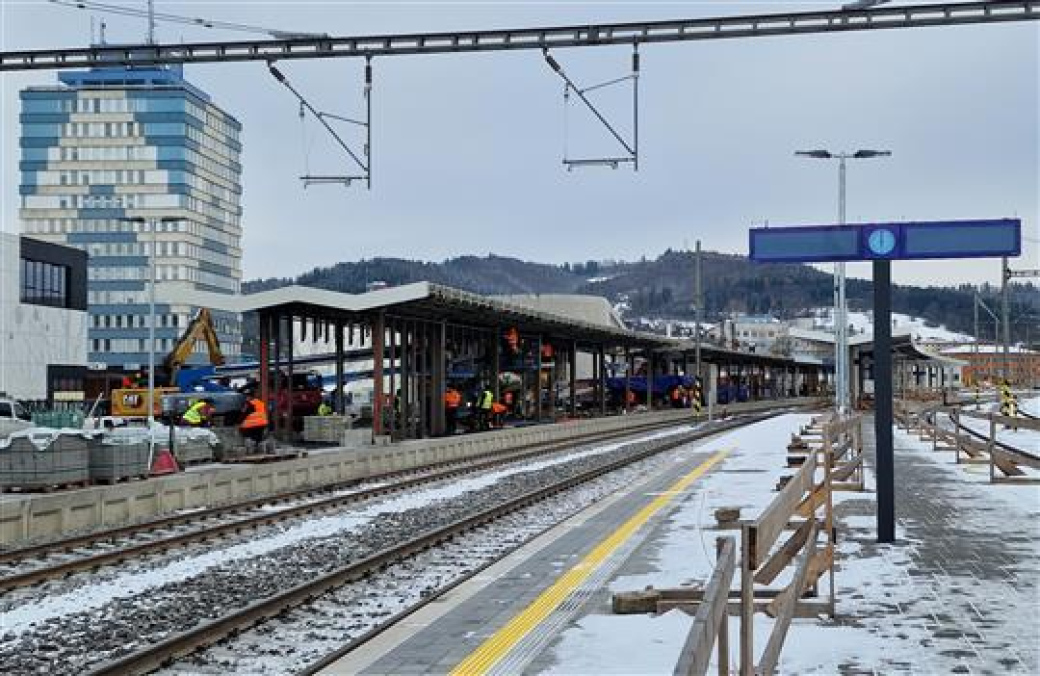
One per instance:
(1012,410)
(325,408)
(452,401)
(498,414)
(254,424)
(485,403)
(198,414)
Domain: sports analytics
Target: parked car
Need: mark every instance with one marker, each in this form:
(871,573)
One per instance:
(13,416)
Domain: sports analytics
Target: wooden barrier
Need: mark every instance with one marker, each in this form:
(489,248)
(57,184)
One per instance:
(800,496)
(711,624)
(1010,461)
(1005,463)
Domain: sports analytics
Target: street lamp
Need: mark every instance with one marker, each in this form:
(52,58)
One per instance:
(142,221)
(841,338)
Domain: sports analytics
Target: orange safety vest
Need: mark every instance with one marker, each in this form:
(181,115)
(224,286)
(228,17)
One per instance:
(452,398)
(257,417)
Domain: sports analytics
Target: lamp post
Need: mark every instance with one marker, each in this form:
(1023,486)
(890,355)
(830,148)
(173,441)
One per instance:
(143,222)
(841,338)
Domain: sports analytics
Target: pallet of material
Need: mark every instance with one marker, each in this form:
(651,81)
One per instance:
(112,462)
(326,429)
(44,461)
(192,451)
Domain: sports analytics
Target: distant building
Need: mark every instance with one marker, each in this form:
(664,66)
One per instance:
(43,319)
(115,157)
(987,364)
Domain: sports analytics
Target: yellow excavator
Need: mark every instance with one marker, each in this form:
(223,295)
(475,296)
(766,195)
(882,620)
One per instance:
(133,401)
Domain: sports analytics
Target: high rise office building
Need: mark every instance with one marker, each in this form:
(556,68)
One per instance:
(137,167)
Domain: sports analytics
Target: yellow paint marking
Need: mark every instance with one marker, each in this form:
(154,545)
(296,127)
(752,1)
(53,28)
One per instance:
(505,639)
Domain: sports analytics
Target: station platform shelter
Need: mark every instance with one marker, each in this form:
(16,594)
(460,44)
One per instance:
(423,337)
(917,372)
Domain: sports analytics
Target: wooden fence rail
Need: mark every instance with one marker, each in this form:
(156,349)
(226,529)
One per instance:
(711,624)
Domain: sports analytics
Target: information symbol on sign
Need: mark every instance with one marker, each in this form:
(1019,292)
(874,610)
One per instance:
(881,242)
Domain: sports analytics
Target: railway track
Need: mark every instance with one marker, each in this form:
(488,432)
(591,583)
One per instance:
(151,654)
(31,565)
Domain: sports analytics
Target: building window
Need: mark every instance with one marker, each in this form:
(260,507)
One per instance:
(44,283)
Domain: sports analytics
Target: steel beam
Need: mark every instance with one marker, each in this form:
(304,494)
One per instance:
(552,37)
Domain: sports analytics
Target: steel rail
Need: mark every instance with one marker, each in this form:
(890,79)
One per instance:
(549,37)
(55,546)
(487,461)
(209,632)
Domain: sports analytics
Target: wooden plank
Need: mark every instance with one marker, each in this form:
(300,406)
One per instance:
(765,530)
(786,607)
(808,506)
(781,557)
(1017,457)
(845,471)
(1021,422)
(1006,466)
(696,652)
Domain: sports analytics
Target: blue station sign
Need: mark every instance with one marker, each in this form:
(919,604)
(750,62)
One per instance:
(887,241)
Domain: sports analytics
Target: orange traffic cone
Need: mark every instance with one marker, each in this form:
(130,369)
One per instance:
(164,463)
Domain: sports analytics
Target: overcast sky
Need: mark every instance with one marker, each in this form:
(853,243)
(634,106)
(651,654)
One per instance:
(467,148)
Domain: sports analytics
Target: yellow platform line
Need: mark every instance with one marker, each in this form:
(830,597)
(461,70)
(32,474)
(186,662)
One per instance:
(505,639)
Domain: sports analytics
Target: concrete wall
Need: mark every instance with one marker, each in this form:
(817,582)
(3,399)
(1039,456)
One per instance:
(31,516)
(33,336)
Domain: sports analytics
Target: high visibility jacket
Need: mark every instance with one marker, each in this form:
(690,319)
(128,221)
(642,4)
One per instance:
(452,398)
(324,409)
(498,409)
(487,398)
(196,413)
(257,417)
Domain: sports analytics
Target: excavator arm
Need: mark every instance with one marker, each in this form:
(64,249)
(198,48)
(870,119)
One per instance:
(200,328)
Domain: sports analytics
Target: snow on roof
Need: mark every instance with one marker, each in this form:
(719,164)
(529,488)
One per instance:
(986,349)
(591,309)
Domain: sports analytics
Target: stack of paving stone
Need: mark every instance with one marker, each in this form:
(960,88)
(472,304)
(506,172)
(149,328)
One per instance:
(118,455)
(326,429)
(192,448)
(44,459)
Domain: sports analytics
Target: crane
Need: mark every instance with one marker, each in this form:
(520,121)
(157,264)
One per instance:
(153,16)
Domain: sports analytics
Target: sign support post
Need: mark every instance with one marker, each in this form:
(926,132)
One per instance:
(882,243)
(886,518)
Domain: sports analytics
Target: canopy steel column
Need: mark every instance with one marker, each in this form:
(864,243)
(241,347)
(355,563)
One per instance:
(649,380)
(538,381)
(289,350)
(338,399)
(497,360)
(378,339)
(423,381)
(572,357)
(602,382)
(264,390)
(629,366)
(274,414)
(439,379)
(395,417)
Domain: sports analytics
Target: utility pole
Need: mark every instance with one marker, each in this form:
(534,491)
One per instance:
(698,301)
(1005,311)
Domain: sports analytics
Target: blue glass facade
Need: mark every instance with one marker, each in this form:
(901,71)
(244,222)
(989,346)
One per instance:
(136,166)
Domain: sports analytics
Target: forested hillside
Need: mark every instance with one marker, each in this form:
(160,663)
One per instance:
(664,286)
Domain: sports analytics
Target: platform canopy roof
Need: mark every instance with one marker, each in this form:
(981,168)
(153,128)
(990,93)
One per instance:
(417,301)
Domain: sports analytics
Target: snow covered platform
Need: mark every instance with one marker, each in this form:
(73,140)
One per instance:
(956,594)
